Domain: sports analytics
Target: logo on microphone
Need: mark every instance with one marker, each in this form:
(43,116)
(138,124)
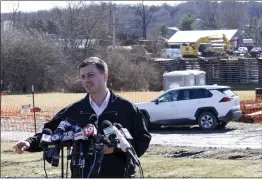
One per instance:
(55,137)
(90,130)
(46,138)
(69,133)
(63,125)
(79,136)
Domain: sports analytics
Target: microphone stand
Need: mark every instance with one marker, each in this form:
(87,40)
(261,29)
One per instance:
(99,149)
(62,162)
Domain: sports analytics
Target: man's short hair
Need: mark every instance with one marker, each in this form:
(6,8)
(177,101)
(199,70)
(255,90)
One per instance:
(99,63)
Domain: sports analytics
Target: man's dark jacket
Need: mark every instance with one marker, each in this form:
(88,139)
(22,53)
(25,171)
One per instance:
(119,110)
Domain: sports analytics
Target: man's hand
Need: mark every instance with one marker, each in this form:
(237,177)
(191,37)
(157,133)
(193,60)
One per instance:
(21,146)
(109,150)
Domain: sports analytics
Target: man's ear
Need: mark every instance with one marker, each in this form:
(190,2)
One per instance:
(106,76)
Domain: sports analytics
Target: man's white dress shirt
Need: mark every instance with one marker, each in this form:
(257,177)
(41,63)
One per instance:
(98,110)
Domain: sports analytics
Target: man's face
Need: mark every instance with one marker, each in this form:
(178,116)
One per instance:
(92,79)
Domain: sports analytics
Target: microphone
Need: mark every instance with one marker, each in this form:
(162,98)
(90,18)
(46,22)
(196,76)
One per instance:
(56,139)
(110,132)
(79,137)
(46,137)
(62,127)
(127,147)
(126,134)
(98,145)
(45,142)
(131,169)
(117,139)
(93,118)
(90,130)
(67,140)
(124,131)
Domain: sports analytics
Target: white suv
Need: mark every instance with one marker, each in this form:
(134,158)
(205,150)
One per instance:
(209,106)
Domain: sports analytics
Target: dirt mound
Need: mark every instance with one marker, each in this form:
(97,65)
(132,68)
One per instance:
(215,153)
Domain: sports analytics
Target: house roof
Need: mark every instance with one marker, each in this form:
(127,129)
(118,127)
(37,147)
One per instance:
(193,35)
(173,28)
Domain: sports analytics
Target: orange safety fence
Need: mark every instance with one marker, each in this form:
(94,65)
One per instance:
(48,104)
(252,109)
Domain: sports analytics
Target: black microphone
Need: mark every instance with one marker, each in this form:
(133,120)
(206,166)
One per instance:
(67,140)
(93,118)
(97,141)
(56,139)
(45,142)
(79,137)
(117,139)
(110,132)
(62,127)
(46,138)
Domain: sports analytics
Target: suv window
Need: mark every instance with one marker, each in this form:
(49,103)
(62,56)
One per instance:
(227,92)
(168,97)
(194,94)
(207,93)
(183,95)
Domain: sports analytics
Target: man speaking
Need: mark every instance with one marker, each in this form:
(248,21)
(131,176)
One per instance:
(106,105)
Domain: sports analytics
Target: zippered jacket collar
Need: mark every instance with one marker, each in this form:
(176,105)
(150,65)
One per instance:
(88,107)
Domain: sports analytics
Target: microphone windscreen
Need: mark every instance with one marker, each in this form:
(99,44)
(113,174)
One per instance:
(105,124)
(118,126)
(47,131)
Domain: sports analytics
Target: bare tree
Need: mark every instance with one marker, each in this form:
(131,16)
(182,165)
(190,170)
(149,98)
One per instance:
(209,14)
(234,14)
(31,59)
(145,14)
(255,30)
(14,16)
(81,27)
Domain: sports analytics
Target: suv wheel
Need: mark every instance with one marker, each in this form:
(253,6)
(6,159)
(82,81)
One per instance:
(207,120)
(149,126)
(221,125)
(146,120)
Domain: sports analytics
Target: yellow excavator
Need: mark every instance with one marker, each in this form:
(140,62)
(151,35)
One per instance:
(191,50)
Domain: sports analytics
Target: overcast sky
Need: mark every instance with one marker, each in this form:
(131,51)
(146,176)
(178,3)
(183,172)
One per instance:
(29,6)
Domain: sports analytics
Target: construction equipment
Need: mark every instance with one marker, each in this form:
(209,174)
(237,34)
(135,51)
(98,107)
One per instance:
(191,50)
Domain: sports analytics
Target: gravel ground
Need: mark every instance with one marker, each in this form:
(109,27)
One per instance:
(236,141)
(235,136)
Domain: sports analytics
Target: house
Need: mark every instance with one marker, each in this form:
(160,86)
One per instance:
(235,36)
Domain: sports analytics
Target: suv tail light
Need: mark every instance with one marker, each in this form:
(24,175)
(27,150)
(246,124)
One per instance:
(225,99)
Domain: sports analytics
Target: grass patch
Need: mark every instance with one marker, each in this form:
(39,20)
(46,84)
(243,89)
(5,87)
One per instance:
(154,164)
(60,100)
